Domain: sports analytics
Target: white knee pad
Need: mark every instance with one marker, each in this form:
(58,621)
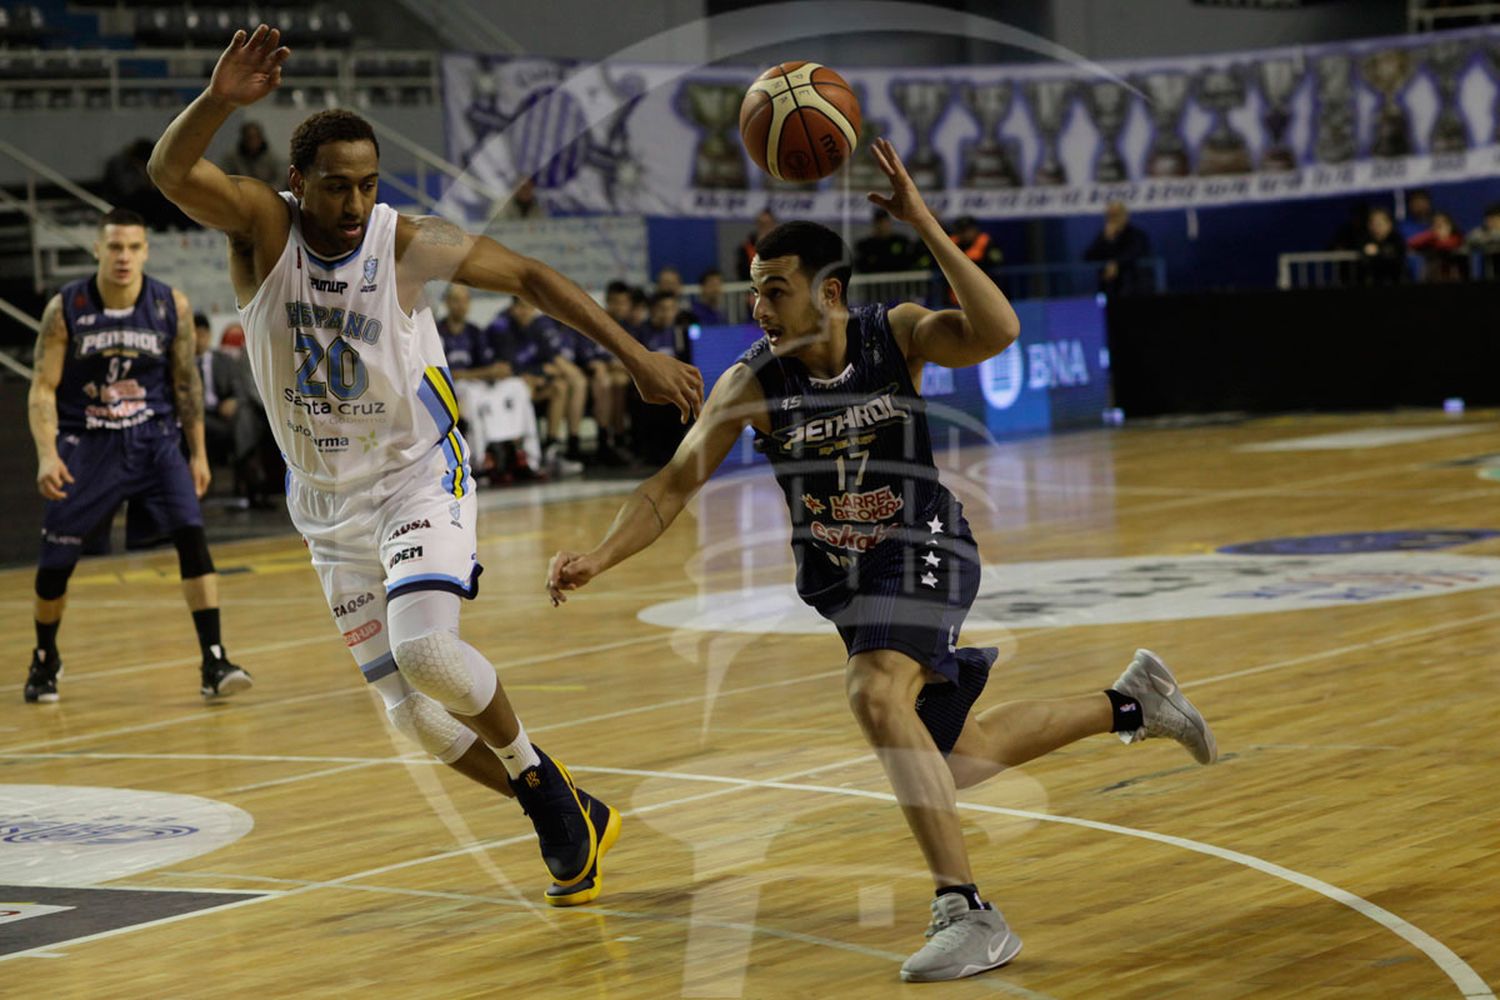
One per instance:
(438,664)
(423,721)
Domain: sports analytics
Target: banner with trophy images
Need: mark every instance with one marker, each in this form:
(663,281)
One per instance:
(993,141)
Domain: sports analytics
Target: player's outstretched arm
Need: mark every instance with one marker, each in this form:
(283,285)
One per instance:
(249,69)
(735,399)
(983,325)
(187,393)
(430,248)
(47,368)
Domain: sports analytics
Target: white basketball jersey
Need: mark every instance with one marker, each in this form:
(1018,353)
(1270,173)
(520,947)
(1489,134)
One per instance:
(354,387)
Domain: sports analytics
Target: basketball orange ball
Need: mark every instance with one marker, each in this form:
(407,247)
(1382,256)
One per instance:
(799,121)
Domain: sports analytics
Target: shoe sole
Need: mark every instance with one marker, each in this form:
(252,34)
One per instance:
(1180,702)
(1008,952)
(588,890)
(232,684)
(593,857)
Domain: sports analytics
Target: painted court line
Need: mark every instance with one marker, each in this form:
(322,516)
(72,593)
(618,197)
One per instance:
(1465,978)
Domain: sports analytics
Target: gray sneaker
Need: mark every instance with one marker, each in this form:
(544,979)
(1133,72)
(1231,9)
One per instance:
(961,942)
(1166,710)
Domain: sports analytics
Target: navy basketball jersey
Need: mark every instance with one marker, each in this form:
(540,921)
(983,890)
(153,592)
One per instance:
(852,453)
(118,369)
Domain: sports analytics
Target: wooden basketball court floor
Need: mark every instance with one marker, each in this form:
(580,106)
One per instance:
(1347,844)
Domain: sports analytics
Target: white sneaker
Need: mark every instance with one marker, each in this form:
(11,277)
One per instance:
(961,942)
(1165,709)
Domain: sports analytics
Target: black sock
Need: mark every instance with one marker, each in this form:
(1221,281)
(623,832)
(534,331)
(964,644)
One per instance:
(970,892)
(207,624)
(574,445)
(46,637)
(1127,712)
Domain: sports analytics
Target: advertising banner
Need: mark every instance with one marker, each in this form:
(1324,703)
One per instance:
(993,141)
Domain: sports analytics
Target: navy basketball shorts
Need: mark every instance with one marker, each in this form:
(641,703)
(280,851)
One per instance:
(143,465)
(911,595)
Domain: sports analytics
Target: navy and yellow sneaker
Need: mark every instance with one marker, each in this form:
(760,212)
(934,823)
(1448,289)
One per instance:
(567,837)
(606,822)
(41,679)
(944,706)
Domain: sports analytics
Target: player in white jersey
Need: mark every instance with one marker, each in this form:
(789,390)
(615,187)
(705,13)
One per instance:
(349,363)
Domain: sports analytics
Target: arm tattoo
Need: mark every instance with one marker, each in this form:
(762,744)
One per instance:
(187,383)
(42,400)
(660,524)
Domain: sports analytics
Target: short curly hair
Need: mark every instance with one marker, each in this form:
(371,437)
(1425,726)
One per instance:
(335,125)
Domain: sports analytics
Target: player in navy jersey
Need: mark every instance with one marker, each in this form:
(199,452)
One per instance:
(883,549)
(116,389)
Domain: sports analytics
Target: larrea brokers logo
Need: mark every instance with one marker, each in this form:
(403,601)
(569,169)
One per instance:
(877,505)
(409,526)
(368,630)
(352,605)
(410,552)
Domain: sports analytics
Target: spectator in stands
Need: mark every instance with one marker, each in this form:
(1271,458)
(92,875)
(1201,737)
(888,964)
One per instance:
(499,420)
(1442,250)
(127,185)
(234,417)
(1120,247)
(657,430)
(669,279)
(218,395)
(1383,254)
(640,310)
(886,250)
(708,307)
(522,204)
(764,223)
(609,382)
(1484,240)
(975,242)
(252,156)
(1419,214)
(529,342)
(660,330)
(617,302)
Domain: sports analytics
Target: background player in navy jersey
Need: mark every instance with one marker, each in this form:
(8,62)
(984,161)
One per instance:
(882,548)
(116,389)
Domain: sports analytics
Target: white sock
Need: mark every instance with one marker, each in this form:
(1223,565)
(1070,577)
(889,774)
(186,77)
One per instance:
(518,754)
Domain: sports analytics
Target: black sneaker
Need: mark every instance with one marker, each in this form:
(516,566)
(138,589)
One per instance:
(569,843)
(222,678)
(41,680)
(606,821)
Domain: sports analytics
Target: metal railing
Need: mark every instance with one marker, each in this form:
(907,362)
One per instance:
(1342,268)
(1421,17)
(1317,269)
(115,78)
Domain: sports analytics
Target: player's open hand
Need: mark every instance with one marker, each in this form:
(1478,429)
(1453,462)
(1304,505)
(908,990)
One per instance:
(569,571)
(905,202)
(202,475)
(250,68)
(51,477)
(663,379)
